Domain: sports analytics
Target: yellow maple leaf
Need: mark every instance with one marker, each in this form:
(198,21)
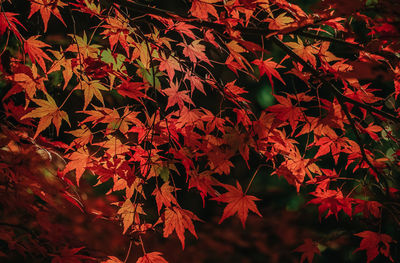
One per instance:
(130,213)
(306,52)
(91,88)
(280,22)
(48,112)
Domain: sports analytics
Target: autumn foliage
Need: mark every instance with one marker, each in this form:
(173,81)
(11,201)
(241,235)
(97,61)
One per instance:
(152,105)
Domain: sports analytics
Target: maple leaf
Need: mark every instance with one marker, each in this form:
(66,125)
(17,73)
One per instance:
(48,112)
(46,8)
(202,8)
(269,67)
(195,83)
(170,65)
(152,257)
(294,169)
(184,28)
(374,243)
(33,47)
(130,213)
(65,63)
(368,208)
(8,21)
(117,31)
(279,22)
(179,219)
(176,97)
(83,47)
(203,182)
(371,130)
(238,202)
(164,196)
(286,111)
(79,161)
(83,135)
(195,51)
(112,259)
(235,59)
(307,52)
(70,255)
(91,88)
(235,92)
(114,146)
(331,200)
(209,37)
(132,90)
(29,81)
(309,249)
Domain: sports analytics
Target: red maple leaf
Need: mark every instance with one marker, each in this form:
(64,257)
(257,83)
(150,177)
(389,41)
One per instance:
(374,243)
(8,20)
(367,208)
(286,111)
(238,202)
(331,200)
(269,67)
(179,219)
(309,249)
(70,255)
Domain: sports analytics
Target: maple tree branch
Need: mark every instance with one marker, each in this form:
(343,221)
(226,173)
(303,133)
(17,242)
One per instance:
(129,251)
(386,54)
(341,99)
(334,90)
(329,39)
(137,7)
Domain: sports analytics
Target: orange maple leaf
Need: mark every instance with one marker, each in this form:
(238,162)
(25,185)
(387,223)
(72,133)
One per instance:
(48,112)
(33,47)
(164,196)
(307,52)
(170,65)
(238,202)
(201,9)
(279,22)
(152,257)
(179,219)
(29,81)
(195,51)
(286,111)
(61,60)
(117,31)
(91,88)
(176,97)
(112,259)
(78,161)
(130,213)
(46,8)
(83,46)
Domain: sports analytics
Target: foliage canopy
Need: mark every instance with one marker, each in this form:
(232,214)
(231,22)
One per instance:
(152,102)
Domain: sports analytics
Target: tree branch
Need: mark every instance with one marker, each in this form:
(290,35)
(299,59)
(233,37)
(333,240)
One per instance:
(328,84)
(341,99)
